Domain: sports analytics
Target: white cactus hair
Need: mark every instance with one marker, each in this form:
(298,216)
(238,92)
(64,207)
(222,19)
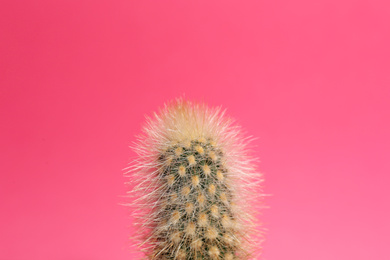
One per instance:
(195,190)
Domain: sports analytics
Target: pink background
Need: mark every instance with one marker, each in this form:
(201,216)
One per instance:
(309,78)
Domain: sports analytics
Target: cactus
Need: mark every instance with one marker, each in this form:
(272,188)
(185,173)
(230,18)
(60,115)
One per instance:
(195,186)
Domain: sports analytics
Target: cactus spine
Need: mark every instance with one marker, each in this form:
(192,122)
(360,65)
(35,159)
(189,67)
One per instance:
(194,184)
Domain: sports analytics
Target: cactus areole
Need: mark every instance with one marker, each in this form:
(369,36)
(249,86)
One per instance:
(195,191)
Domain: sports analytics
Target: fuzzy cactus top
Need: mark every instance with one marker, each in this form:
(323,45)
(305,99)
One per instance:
(196,187)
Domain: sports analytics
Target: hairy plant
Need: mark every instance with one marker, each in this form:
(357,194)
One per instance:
(195,188)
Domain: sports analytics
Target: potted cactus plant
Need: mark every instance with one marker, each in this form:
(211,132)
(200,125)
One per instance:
(195,187)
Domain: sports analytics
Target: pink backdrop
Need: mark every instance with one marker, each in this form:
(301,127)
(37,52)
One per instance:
(309,78)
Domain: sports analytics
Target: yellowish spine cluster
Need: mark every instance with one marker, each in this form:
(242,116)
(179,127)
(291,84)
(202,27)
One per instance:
(198,222)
